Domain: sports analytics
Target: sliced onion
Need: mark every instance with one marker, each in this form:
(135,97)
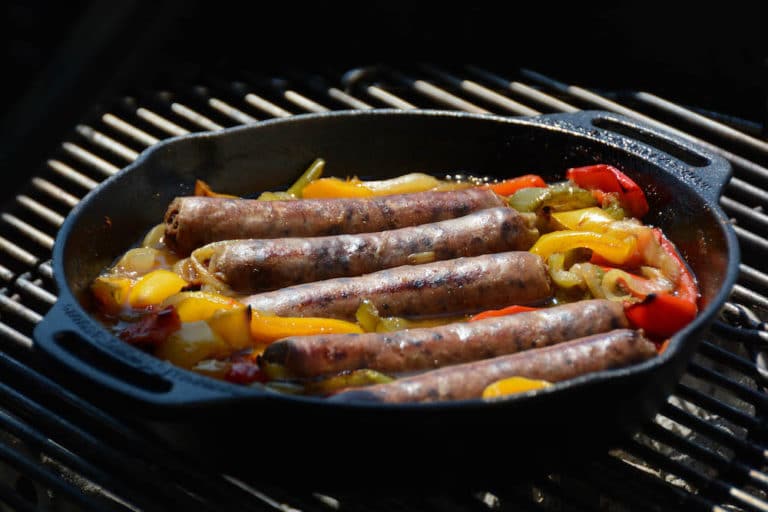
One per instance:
(561,277)
(592,276)
(199,260)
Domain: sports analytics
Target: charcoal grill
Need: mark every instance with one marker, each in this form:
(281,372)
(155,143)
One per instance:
(706,450)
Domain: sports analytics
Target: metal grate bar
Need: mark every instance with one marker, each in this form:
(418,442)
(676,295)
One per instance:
(72,175)
(131,131)
(701,121)
(389,98)
(55,192)
(89,158)
(233,113)
(482,92)
(523,90)
(266,106)
(348,100)
(106,142)
(9,305)
(160,122)
(15,336)
(727,411)
(195,117)
(439,95)
(23,283)
(755,170)
(40,210)
(753,275)
(743,294)
(751,192)
(29,231)
(17,253)
(756,398)
(304,102)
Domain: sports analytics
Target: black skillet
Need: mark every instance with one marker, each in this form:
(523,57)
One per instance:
(265,434)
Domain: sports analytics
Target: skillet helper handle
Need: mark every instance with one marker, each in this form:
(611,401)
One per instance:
(103,366)
(706,172)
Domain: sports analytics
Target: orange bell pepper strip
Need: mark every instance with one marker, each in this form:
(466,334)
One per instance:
(492,313)
(512,185)
(266,329)
(607,179)
(334,187)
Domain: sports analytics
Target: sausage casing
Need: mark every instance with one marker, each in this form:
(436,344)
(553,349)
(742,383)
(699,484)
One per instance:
(249,266)
(420,349)
(555,363)
(455,286)
(192,222)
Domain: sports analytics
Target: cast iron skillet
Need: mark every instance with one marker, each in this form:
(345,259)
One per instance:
(256,431)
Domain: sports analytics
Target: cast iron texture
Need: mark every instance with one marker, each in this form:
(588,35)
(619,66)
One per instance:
(231,425)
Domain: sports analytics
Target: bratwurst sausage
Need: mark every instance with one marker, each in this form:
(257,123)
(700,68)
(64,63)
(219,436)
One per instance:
(555,363)
(420,349)
(248,266)
(460,285)
(192,222)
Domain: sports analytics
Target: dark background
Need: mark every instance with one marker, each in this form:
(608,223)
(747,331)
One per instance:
(62,58)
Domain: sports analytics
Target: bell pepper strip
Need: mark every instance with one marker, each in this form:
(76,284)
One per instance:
(405,184)
(584,219)
(266,329)
(513,385)
(509,310)
(245,372)
(512,185)
(335,188)
(204,190)
(661,315)
(153,288)
(313,172)
(686,284)
(615,250)
(153,328)
(608,179)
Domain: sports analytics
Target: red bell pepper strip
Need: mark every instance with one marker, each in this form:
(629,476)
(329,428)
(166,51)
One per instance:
(512,185)
(510,310)
(153,328)
(245,372)
(607,179)
(686,286)
(661,315)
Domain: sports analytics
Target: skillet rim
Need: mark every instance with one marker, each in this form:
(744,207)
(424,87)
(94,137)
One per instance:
(579,124)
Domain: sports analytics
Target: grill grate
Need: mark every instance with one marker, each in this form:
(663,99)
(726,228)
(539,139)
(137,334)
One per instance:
(706,450)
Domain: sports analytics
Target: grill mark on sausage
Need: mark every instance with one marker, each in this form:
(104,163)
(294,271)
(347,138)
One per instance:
(192,222)
(451,286)
(285,262)
(556,363)
(419,349)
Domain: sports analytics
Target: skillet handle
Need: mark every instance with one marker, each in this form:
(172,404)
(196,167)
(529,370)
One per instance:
(705,172)
(106,367)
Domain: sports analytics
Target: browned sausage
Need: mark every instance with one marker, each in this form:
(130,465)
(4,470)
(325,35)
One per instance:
(558,362)
(248,266)
(454,286)
(420,349)
(192,222)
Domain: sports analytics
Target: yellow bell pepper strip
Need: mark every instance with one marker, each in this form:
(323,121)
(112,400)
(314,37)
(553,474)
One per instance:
(613,249)
(405,184)
(509,310)
(608,179)
(196,306)
(585,219)
(335,187)
(233,325)
(512,385)
(111,293)
(266,329)
(154,288)
(204,190)
(512,185)
(153,328)
(192,343)
(353,379)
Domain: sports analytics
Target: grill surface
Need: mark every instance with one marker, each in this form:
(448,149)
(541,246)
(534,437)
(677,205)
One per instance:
(706,450)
